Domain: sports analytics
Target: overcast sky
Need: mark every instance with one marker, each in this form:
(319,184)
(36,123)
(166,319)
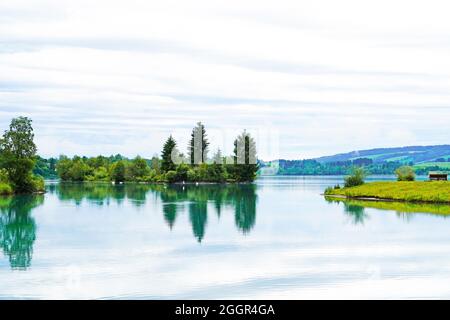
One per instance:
(104,77)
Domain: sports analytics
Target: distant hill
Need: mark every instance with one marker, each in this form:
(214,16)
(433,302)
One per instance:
(375,161)
(415,154)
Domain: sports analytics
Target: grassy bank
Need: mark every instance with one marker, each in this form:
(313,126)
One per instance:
(413,191)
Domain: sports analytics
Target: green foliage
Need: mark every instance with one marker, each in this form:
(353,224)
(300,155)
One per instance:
(166,155)
(137,170)
(356,178)
(63,167)
(192,175)
(171,176)
(4,176)
(155,164)
(5,188)
(405,173)
(313,167)
(17,154)
(182,172)
(79,170)
(328,190)
(45,168)
(99,174)
(18,140)
(245,166)
(118,171)
(38,183)
(215,173)
(425,168)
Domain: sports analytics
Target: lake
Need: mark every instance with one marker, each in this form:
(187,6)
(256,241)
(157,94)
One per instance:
(276,239)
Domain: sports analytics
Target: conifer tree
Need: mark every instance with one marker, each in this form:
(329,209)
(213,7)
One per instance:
(245,158)
(167,164)
(198,145)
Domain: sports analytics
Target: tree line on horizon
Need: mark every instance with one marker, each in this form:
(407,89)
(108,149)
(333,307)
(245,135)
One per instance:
(171,167)
(47,167)
(314,167)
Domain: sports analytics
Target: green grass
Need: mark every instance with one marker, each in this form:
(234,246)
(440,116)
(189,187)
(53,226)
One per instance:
(443,165)
(5,189)
(399,159)
(413,191)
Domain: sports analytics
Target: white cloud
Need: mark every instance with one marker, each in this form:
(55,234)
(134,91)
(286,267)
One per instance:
(119,76)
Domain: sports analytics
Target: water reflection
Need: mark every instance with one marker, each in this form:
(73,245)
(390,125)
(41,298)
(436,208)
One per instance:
(18,229)
(197,201)
(405,210)
(356,213)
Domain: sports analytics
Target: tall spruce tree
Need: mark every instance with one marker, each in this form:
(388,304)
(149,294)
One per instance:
(167,164)
(245,158)
(198,146)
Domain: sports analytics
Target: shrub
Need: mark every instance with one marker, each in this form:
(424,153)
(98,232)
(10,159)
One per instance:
(215,173)
(5,188)
(158,178)
(171,176)
(38,183)
(202,171)
(182,172)
(329,190)
(192,175)
(4,176)
(356,178)
(101,174)
(405,173)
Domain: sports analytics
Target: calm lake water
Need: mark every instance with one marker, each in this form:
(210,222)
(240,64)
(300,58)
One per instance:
(276,239)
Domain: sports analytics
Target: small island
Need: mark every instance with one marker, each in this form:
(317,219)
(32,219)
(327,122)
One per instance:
(411,191)
(405,189)
(172,167)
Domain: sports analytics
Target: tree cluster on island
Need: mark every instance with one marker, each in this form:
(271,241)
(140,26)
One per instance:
(171,167)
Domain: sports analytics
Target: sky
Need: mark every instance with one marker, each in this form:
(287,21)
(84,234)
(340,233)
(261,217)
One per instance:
(306,78)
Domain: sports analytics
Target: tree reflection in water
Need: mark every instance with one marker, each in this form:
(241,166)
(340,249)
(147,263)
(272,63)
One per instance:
(18,228)
(356,213)
(241,198)
(356,209)
(196,199)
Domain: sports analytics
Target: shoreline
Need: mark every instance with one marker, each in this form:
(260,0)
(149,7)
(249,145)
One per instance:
(426,192)
(375,199)
(156,183)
